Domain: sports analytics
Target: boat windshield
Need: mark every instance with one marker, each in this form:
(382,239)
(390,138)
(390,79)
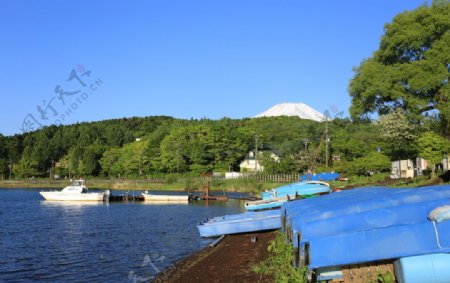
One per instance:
(76,183)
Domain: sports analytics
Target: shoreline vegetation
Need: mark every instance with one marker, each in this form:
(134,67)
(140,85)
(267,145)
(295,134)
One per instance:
(181,185)
(196,184)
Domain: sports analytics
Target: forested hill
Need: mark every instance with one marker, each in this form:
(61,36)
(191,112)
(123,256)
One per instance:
(133,147)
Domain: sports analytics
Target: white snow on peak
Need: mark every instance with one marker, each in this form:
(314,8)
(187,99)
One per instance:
(293,109)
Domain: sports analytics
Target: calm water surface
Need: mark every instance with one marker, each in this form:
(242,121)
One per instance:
(44,241)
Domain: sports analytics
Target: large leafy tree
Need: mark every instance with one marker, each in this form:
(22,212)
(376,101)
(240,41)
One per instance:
(410,70)
(374,162)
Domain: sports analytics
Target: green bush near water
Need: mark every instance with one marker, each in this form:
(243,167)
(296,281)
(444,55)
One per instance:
(279,264)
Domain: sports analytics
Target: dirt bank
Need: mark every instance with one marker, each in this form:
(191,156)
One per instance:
(230,261)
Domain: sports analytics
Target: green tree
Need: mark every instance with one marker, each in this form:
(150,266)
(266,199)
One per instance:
(91,156)
(153,148)
(230,145)
(432,147)
(374,162)
(353,140)
(26,168)
(174,151)
(132,159)
(410,70)
(303,160)
(273,166)
(109,162)
(399,134)
(186,148)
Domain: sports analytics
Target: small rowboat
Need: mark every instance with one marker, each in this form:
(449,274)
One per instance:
(271,203)
(298,188)
(276,197)
(160,198)
(240,223)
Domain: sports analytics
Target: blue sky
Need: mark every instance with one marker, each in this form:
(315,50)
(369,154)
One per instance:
(208,58)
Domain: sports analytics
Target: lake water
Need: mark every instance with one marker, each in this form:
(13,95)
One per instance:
(43,241)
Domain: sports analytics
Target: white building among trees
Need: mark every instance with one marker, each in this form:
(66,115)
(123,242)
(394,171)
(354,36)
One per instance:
(252,164)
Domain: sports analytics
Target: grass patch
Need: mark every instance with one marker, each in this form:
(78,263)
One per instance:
(279,264)
(386,277)
(360,181)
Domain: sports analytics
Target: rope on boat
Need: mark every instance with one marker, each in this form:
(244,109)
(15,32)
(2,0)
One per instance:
(437,234)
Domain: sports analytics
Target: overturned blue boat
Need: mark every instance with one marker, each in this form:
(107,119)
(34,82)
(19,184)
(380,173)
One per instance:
(328,176)
(240,223)
(368,225)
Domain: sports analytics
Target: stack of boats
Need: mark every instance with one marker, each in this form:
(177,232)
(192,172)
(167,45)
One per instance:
(276,197)
(408,228)
(262,214)
(405,229)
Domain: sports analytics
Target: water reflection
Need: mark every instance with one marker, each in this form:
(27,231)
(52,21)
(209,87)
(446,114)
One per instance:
(161,202)
(56,203)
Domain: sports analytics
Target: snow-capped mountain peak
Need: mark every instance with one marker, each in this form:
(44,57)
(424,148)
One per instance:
(300,110)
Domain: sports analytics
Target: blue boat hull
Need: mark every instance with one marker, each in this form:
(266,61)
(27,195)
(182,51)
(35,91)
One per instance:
(426,268)
(265,204)
(372,219)
(373,223)
(241,223)
(331,176)
(378,244)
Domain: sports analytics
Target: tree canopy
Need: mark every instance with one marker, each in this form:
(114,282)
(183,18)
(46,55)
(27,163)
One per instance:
(410,70)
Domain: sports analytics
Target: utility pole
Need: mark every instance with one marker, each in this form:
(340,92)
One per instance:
(140,170)
(256,153)
(51,169)
(326,142)
(10,168)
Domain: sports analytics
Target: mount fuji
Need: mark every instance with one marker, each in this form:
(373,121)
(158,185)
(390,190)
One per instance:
(300,110)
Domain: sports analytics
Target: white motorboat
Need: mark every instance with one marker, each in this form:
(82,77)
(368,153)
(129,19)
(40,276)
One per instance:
(156,198)
(76,191)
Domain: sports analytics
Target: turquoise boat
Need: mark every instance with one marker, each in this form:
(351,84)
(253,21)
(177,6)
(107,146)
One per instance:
(240,223)
(307,188)
(277,197)
(272,203)
(265,204)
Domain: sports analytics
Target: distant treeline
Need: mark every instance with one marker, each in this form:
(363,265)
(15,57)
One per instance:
(133,147)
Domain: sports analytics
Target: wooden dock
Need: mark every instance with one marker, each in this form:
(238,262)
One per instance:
(126,198)
(205,194)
